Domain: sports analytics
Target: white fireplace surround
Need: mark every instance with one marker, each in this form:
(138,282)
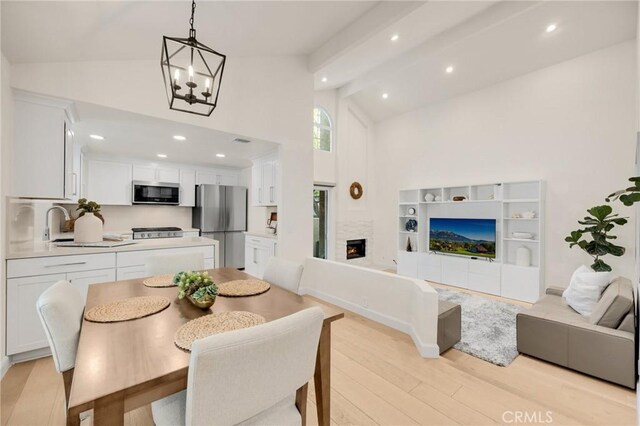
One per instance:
(354,230)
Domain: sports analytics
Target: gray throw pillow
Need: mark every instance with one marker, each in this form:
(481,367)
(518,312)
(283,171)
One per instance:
(614,305)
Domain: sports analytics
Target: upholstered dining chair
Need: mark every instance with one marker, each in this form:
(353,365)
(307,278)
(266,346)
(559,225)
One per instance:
(252,376)
(283,273)
(60,309)
(172,263)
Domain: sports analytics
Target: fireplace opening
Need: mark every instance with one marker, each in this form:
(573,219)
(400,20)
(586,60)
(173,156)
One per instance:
(356,248)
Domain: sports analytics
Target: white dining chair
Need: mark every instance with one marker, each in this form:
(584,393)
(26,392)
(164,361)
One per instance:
(283,273)
(252,376)
(172,263)
(60,309)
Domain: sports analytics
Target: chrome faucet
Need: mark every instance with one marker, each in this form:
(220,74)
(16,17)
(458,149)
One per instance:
(47,235)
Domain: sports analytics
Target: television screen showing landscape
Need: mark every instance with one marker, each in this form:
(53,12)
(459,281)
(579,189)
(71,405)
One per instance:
(467,237)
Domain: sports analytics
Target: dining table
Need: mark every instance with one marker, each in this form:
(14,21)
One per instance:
(121,366)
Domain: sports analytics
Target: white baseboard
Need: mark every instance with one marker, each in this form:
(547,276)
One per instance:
(5,363)
(426,350)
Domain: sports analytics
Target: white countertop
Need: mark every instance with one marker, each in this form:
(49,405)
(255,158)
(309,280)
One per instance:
(42,249)
(262,235)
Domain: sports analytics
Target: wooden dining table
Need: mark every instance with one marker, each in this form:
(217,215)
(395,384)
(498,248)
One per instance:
(121,366)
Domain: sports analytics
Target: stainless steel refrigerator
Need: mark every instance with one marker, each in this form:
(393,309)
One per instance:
(221,214)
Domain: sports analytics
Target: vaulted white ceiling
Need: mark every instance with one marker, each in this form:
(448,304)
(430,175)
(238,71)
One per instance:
(348,43)
(59,31)
(485,43)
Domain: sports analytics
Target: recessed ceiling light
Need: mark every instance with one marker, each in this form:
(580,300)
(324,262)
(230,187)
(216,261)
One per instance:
(162,155)
(385,96)
(97,137)
(551,28)
(395,37)
(324,79)
(220,155)
(179,138)
(449,69)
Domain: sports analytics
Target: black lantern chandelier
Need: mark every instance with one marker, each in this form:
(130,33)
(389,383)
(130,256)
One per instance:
(192,72)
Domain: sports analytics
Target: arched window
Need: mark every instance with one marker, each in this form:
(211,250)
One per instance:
(322,130)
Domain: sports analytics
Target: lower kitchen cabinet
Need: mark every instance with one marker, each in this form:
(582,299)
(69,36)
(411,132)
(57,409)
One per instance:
(257,252)
(28,278)
(24,329)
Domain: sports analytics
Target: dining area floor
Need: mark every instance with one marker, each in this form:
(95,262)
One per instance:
(378,377)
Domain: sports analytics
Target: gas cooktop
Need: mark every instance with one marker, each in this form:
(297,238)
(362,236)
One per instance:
(161,232)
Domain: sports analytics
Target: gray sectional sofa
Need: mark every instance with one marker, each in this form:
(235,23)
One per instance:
(602,345)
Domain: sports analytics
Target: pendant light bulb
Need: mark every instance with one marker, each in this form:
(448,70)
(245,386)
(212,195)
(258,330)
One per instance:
(191,73)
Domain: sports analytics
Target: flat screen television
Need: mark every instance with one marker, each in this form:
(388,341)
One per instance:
(465,237)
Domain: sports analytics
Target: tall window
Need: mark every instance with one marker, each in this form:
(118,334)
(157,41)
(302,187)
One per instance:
(322,131)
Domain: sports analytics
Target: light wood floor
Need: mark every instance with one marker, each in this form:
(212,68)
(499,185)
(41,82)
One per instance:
(379,378)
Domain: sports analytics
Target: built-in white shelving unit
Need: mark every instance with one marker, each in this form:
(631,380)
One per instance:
(506,202)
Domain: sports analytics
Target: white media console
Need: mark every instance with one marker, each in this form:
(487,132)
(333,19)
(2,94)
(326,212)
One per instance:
(506,202)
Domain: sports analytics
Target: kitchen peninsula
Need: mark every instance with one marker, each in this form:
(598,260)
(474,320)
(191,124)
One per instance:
(33,268)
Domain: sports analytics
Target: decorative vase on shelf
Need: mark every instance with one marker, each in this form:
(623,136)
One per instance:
(87,229)
(523,256)
(429,197)
(409,248)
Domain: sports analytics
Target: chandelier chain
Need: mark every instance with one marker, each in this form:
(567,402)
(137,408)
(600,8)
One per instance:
(193,11)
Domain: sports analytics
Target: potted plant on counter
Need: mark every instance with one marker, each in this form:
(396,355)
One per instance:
(198,287)
(88,227)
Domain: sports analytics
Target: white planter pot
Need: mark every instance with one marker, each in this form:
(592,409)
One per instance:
(87,229)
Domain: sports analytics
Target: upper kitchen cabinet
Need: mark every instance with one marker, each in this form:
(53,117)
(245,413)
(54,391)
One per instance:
(264,179)
(43,165)
(108,182)
(217,177)
(187,187)
(156,174)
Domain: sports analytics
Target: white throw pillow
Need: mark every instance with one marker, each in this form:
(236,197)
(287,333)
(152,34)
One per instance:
(585,289)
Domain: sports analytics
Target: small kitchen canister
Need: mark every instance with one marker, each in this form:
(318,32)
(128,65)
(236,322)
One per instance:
(523,256)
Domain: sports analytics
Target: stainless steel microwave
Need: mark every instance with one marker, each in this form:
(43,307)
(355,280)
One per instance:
(156,193)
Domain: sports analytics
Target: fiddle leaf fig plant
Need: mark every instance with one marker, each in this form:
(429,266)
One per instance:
(595,239)
(628,196)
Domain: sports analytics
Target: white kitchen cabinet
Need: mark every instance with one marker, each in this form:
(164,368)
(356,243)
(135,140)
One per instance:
(43,149)
(187,187)
(155,174)
(76,174)
(264,178)
(108,182)
(258,251)
(24,329)
(217,177)
(82,280)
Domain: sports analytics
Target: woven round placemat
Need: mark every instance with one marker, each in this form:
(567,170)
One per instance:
(160,281)
(239,288)
(127,309)
(215,323)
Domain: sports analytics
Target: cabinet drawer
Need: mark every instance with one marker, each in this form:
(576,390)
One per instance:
(139,258)
(59,264)
(484,267)
(131,273)
(258,241)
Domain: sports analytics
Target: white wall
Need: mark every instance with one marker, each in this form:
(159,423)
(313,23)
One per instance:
(265,98)
(572,124)
(6,133)
(406,304)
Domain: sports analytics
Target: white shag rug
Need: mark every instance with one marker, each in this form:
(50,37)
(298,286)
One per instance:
(488,327)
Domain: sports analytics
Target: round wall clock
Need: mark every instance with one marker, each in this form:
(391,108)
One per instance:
(355,190)
(412,211)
